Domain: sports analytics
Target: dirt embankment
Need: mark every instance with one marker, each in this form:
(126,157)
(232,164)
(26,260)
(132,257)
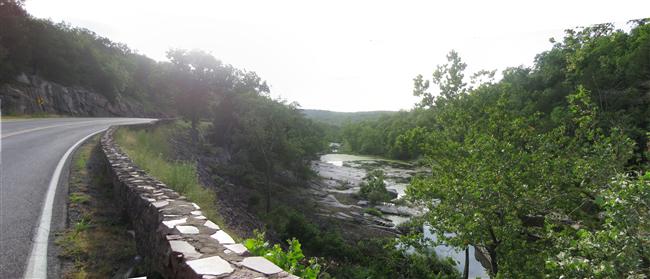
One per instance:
(232,200)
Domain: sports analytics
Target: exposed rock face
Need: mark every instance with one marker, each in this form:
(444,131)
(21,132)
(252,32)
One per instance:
(171,232)
(33,95)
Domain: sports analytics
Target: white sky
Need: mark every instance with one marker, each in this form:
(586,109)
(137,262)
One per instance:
(341,55)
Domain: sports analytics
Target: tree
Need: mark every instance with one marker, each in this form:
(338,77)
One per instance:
(236,83)
(268,139)
(14,47)
(374,188)
(501,183)
(537,170)
(266,130)
(449,79)
(198,77)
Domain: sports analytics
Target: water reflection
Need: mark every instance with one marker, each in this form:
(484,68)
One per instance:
(475,267)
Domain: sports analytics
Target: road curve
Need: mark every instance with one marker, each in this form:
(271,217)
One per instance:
(30,151)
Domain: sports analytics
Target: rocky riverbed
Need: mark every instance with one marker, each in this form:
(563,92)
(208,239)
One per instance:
(341,176)
(336,192)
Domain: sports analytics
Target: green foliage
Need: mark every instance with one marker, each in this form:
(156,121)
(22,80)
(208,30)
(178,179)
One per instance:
(618,247)
(198,78)
(371,258)
(611,65)
(74,56)
(373,188)
(521,167)
(265,137)
(448,77)
(292,260)
(70,56)
(383,258)
(190,84)
(318,241)
(82,225)
(501,171)
(385,136)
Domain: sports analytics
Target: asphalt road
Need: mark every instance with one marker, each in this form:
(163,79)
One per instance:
(30,151)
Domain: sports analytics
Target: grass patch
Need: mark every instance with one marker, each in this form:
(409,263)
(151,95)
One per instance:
(150,150)
(82,225)
(82,160)
(78,198)
(96,243)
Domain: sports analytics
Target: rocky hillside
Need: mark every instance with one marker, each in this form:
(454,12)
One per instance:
(34,95)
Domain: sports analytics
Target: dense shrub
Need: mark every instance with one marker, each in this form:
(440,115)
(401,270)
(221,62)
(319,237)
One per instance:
(292,259)
(374,188)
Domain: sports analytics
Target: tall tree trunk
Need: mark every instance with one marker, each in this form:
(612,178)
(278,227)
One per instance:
(194,132)
(268,190)
(493,260)
(466,269)
(492,249)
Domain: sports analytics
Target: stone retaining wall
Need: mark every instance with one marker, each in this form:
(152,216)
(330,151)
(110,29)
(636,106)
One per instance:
(172,234)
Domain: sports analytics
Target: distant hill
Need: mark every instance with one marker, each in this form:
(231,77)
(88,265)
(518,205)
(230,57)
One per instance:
(339,118)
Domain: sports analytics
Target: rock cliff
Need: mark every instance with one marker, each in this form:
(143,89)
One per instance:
(33,95)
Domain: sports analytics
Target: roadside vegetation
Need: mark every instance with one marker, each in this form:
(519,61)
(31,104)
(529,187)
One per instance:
(96,243)
(151,151)
(292,259)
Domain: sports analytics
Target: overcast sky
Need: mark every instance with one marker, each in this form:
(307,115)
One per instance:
(341,55)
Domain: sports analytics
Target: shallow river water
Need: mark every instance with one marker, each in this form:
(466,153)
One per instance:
(350,169)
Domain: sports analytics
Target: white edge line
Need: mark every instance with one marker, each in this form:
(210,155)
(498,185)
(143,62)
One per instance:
(37,261)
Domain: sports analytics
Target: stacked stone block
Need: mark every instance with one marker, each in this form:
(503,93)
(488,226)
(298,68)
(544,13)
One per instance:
(171,233)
